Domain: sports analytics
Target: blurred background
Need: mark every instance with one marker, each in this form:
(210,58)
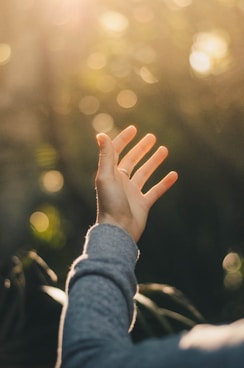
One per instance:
(72,68)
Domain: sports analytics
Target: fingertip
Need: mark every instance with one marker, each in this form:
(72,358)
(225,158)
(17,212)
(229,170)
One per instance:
(132,127)
(101,138)
(164,150)
(174,175)
(132,130)
(152,136)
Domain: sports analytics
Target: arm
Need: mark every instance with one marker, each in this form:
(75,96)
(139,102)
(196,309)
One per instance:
(101,284)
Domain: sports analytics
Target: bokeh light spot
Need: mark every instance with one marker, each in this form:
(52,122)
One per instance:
(5,53)
(39,221)
(200,62)
(127,98)
(96,60)
(89,105)
(232,265)
(47,225)
(114,21)
(147,76)
(52,181)
(232,262)
(210,52)
(103,122)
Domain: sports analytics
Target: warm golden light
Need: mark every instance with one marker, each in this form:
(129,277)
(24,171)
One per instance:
(114,21)
(52,181)
(103,123)
(127,98)
(210,52)
(200,62)
(46,225)
(39,221)
(5,53)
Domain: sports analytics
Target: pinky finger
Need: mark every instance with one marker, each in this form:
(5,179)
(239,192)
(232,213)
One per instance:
(160,188)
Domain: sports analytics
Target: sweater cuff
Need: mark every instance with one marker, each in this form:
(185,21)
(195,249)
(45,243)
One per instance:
(101,238)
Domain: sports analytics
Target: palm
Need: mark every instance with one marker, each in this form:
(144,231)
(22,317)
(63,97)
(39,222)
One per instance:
(120,198)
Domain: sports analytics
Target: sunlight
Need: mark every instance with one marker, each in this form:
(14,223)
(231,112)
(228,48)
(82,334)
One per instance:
(200,62)
(114,21)
(210,52)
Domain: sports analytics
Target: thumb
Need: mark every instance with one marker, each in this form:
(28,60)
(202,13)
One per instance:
(106,154)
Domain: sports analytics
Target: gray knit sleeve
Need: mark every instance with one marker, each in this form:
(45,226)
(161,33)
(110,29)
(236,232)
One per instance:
(95,322)
(101,286)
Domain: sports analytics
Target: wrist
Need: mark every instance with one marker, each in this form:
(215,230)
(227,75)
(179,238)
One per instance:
(125,225)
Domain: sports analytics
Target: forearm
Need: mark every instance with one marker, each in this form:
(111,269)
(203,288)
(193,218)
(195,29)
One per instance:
(101,286)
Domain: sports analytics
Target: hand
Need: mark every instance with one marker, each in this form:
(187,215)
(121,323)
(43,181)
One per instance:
(209,338)
(120,200)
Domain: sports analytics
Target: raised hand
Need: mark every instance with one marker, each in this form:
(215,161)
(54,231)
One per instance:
(120,200)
